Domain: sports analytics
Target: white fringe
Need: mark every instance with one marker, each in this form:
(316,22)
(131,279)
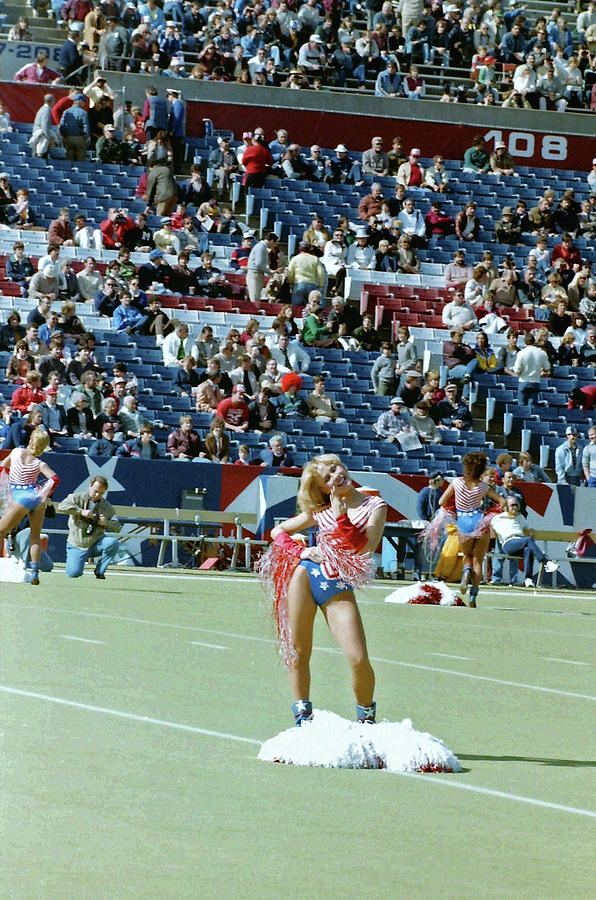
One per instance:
(409,592)
(332,742)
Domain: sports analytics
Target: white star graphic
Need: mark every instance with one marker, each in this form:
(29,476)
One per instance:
(316,572)
(107,470)
(324,586)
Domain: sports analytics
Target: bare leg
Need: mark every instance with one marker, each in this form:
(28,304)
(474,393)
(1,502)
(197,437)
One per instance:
(36,521)
(14,514)
(343,618)
(480,548)
(301,616)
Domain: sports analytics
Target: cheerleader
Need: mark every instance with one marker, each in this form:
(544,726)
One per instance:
(469,493)
(24,496)
(301,580)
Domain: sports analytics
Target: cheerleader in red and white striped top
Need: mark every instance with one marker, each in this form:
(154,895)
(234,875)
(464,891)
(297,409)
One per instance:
(350,526)
(472,524)
(24,495)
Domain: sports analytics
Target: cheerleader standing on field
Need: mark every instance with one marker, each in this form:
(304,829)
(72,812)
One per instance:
(470,492)
(350,526)
(25,497)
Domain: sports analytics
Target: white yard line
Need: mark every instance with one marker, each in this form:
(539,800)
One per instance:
(71,637)
(213,646)
(449,781)
(246,637)
(571,662)
(133,717)
(451,656)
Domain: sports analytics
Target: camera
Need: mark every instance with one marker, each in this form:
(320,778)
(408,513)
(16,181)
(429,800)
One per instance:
(92,523)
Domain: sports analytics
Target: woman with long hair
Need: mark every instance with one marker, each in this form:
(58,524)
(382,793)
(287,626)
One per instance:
(24,495)
(469,492)
(302,579)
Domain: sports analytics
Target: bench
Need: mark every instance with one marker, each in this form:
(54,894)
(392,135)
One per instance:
(545,536)
(164,523)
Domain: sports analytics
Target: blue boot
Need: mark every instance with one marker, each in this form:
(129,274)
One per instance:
(302,710)
(366,713)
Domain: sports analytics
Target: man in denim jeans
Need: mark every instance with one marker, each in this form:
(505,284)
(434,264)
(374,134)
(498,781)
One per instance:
(90,519)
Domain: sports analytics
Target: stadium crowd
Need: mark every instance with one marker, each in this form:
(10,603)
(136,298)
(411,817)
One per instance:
(488,53)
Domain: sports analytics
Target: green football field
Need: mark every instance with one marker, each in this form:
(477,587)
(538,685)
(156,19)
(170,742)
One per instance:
(132,710)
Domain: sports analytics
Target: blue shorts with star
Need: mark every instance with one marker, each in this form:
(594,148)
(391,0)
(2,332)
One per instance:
(322,588)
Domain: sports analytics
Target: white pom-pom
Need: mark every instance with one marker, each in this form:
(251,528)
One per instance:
(332,742)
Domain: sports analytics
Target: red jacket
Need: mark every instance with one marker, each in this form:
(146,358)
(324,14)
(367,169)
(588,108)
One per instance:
(113,232)
(24,396)
(256,159)
(572,256)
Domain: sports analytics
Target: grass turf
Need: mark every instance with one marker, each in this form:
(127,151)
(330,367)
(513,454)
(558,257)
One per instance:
(100,805)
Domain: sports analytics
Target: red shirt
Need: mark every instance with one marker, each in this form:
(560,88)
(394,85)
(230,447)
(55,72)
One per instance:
(60,107)
(232,413)
(572,256)
(256,159)
(113,232)
(415,175)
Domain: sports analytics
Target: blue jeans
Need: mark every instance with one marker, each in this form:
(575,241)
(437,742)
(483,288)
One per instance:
(461,370)
(498,565)
(592,481)
(528,548)
(301,291)
(106,547)
(527,392)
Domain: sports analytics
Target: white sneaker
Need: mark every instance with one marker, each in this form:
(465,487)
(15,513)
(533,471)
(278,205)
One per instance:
(551,566)
(528,583)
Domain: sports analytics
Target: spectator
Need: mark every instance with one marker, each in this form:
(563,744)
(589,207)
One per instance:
(217,442)
(75,129)
(559,320)
(459,312)
(89,280)
(19,268)
(587,352)
(276,456)
(414,84)
(527,470)
(531,365)
(383,372)
(423,426)
(589,458)
(141,447)
(375,161)
(315,333)
(370,204)
(234,410)
(437,223)
(263,415)
(29,394)
(485,356)
(393,422)
(343,170)
(568,459)
(388,82)
(177,345)
(305,273)
(38,72)
(186,380)
(290,404)
(290,355)
(105,446)
(154,272)
(161,189)
(453,412)
(20,364)
(476,158)
(367,335)
(515,539)
(258,267)
(107,298)
(506,355)
(245,375)
(126,318)
(507,231)
(79,418)
(459,358)
(184,442)
(321,406)
(53,414)
(436,177)
(131,418)
(411,173)
(53,362)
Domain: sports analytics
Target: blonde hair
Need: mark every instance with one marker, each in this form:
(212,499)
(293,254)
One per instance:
(38,442)
(311,497)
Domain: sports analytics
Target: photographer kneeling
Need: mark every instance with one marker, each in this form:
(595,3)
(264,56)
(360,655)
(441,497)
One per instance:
(90,517)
